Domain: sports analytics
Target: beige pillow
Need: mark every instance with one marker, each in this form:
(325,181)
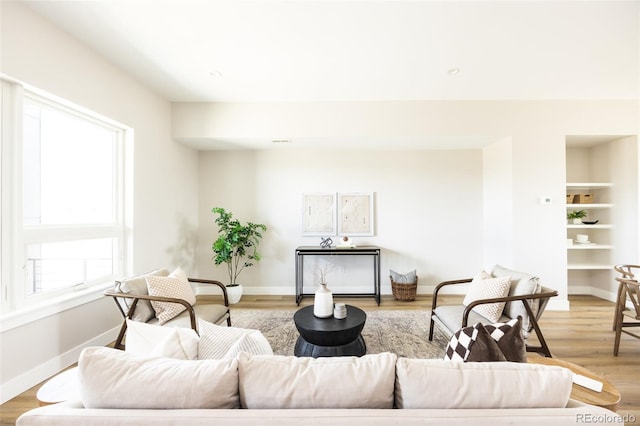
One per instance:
(155,340)
(110,378)
(217,342)
(338,382)
(484,287)
(430,383)
(138,285)
(175,285)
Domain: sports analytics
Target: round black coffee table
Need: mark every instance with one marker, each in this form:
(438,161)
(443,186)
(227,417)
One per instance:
(330,336)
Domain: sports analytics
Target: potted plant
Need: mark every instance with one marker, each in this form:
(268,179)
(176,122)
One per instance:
(576,216)
(236,246)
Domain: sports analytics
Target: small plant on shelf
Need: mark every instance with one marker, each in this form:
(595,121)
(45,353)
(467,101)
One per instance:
(576,215)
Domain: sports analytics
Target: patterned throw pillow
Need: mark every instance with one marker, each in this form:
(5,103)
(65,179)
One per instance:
(485,343)
(510,339)
(217,342)
(473,344)
(484,287)
(175,285)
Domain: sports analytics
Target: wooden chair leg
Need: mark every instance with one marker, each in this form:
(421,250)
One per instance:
(617,325)
(123,329)
(620,296)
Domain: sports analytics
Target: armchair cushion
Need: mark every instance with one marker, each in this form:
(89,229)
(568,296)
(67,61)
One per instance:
(521,284)
(485,287)
(175,285)
(138,285)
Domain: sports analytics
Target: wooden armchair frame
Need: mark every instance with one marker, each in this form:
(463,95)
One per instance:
(136,297)
(544,296)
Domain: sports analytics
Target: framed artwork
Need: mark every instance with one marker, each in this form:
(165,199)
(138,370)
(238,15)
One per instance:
(355,214)
(319,214)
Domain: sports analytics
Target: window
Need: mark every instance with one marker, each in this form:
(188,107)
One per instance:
(67,232)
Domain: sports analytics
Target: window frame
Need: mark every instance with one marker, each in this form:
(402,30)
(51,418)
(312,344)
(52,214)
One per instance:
(16,306)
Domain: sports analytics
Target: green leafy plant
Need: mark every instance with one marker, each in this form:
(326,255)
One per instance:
(576,214)
(237,244)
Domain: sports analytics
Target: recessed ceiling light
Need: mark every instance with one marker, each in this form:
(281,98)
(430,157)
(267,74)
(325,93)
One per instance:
(215,74)
(281,141)
(453,71)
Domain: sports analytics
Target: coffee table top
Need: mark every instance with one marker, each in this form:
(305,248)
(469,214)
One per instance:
(608,398)
(329,331)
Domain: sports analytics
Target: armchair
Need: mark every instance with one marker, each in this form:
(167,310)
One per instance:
(134,303)
(526,298)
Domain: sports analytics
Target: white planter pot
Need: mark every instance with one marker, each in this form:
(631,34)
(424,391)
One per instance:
(576,221)
(234,293)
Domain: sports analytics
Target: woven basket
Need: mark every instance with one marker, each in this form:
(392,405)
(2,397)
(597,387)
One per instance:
(405,292)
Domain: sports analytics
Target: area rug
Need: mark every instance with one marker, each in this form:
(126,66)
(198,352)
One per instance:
(402,332)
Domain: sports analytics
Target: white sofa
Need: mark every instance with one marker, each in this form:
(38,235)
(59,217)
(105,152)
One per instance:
(118,388)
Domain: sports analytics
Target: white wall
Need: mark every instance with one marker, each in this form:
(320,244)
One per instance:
(165,185)
(428,210)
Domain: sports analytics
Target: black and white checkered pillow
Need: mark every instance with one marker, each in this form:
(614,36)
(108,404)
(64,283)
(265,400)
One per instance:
(459,346)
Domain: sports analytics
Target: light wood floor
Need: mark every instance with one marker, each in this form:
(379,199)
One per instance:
(581,335)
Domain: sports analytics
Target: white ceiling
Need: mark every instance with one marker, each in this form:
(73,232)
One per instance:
(238,51)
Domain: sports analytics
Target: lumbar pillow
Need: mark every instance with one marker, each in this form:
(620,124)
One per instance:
(334,382)
(432,383)
(218,342)
(473,344)
(110,378)
(175,285)
(154,340)
(488,288)
(510,339)
(138,285)
(408,278)
(521,283)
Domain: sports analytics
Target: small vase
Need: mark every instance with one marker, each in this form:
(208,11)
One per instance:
(323,302)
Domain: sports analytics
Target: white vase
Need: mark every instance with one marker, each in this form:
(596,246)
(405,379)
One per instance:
(323,302)
(577,221)
(234,293)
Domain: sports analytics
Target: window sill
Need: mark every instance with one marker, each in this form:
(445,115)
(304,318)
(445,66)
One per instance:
(53,306)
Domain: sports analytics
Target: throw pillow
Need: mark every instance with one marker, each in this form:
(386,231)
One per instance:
(510,339)
(482,288)
(408,278)
(138,285)
(473,344)
(217,342)
(175,285)
(110,378)
(521,283)
(154,340)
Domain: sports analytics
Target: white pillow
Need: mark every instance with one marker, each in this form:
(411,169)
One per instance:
(485,287)
(110,378)
(335,382)
(170,342)
(431,383)
(175,285)
(217,342)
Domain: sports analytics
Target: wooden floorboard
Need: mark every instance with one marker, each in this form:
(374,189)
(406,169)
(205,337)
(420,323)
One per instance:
(582,335)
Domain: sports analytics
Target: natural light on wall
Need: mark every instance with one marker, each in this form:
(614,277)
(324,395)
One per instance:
(67,227)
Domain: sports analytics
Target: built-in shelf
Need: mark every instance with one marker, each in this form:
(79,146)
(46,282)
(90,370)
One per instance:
(590,206)
(588,267)
(585,226)
(589,185)
(577,246)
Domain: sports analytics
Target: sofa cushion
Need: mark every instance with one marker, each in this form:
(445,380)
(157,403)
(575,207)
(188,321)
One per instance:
(487,288)
(473,344)
(110,378)
(138,285)
(154,340)
(217,342)
(430,383)
(337,382)
(521,283)
(175,285)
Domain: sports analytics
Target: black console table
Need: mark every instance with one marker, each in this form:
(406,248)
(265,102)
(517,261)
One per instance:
(372,251)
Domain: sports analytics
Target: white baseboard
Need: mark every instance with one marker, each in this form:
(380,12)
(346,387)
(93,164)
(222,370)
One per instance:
(31,378)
